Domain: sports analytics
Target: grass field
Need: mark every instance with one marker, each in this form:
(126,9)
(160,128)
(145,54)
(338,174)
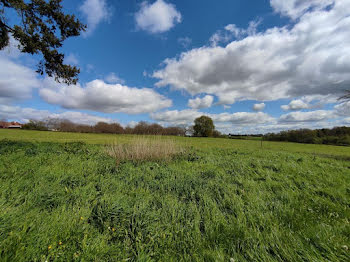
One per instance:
(218,200)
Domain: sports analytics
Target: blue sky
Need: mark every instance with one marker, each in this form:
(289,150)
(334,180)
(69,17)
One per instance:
(253,66)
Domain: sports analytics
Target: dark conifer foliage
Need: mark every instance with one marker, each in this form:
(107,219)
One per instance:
(41,27)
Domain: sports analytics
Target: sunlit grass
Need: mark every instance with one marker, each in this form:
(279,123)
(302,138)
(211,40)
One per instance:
(219,200)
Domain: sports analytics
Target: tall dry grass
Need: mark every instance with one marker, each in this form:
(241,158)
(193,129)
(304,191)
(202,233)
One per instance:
(144,149)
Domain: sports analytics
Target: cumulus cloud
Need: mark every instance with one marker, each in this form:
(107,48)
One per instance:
(243,118)
(310,102)
(198,103)
(16,81)
(295,105)
(177,117)
(95,12)
(25,114)
(100,96)
(187,116)
(232,31)
(343,109)
(158,17)
(312,116)
(308,57)
(259,107)
(112,78)
(295,8)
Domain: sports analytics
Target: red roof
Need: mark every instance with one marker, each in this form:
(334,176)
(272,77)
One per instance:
(4,124)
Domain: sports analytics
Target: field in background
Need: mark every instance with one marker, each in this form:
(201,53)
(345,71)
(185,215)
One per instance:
(43,136)
(218,199)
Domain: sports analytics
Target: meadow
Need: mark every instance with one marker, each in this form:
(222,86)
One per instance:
(63,197)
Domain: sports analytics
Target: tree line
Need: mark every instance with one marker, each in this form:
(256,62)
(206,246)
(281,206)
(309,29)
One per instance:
(142,128)
(334,136)
(203,127)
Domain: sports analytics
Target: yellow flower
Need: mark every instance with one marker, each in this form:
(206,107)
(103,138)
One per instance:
(81,218)
(113,229)
(49,247)
(60,243)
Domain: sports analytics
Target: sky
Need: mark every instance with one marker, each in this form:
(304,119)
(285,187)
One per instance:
(252,66)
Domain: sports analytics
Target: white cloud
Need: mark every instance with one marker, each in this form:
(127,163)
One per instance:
(312,116)
(310,102)
(295,105)
(232,31)
(187,116)
(310,57)
(259,107)
(343,109)
(236,31)
(16,81)
(25,114)
(100,96)
(132,124)
(71,59)
(220,37)
(112,78)
(158,17)
(198,103)
(177,117)
(95,11)
(184,41)
(243,118)
(255,123)
(296,8)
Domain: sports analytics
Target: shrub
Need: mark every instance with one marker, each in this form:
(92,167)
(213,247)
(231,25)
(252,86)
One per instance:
(143,149)
(335,136)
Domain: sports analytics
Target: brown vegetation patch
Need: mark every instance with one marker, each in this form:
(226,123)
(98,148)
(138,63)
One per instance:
(144,149)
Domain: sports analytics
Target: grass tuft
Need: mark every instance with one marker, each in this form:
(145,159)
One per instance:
(144,149)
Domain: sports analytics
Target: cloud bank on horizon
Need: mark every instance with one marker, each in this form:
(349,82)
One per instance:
(249,80)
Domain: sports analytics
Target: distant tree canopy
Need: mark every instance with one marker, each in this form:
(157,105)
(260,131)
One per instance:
(334,136)
(203,126)
(142,128)
(41,27)
(35,125)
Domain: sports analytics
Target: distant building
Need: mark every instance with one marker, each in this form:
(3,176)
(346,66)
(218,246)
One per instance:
(12,125)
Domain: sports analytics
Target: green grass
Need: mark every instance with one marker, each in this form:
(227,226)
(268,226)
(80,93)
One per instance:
(221,199)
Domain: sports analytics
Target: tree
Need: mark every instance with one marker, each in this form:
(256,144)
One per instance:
(35,125)
(203,126)
(41,29)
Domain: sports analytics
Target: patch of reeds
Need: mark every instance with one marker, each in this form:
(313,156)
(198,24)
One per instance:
(144,149)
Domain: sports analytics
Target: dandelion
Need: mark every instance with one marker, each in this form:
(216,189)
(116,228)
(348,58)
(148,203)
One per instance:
(49,247)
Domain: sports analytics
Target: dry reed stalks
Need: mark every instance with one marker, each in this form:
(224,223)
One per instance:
(144,149)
